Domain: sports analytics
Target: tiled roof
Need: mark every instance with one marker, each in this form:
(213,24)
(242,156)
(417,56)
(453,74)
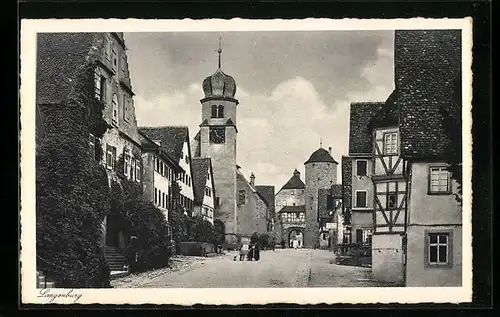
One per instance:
(148,144)
(320,155)
(267,191)
(60,57)
(388,114)
(360,136)
(300,208)
(200,167)
(172,138)
(294,182)
(428,78)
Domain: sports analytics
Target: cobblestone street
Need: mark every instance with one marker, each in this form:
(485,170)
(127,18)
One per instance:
(281,268)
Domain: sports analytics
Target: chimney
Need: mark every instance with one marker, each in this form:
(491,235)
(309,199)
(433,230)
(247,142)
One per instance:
(330,150)
(252,179)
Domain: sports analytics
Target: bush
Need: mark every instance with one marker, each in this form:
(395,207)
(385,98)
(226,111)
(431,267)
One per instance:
(71,194)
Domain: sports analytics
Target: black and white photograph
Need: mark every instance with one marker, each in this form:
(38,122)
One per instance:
(231,161)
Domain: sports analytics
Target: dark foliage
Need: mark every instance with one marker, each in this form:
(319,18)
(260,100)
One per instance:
(452,122)
(72,192)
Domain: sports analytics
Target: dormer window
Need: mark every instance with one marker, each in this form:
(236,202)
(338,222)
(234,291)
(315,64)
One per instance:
(391,143)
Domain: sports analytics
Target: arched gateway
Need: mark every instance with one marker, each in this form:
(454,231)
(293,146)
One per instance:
(295,237)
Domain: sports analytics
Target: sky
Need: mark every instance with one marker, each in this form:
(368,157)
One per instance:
(294,88)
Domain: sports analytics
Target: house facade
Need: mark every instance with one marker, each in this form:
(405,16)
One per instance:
(204,188)
(417,220)
(357,170)
(174,140)
(61,57)
(160,173)
(428,84)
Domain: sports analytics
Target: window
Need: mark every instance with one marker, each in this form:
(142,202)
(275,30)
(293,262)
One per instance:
(110,157)
(391,143)
(137,171)
(123,63)
(163,204)
(208,176)
(361,168)
(439,180)
(392,200)
(99,84)
(214,111)
(132,168)
(107,48)
(186,159)
(438,248)
(157,165)
(302,216)
(127,101)
(114,58)
(359,235)
(242,197)
(115,109)
(220,111)
(361,198)
(126,163)
(92,145)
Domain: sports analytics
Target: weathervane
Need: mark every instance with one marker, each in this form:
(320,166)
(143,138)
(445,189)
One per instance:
(220,49)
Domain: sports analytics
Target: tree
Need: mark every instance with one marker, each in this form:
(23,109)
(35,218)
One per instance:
(72,191)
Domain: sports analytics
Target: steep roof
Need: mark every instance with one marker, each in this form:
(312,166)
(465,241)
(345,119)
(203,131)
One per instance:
(267,191)
(148,144)
(360,135)
(388,114)
(294,182)
(60,57)
(172,138)
(320,155)
(200,167)
(299,208)
(428,78)
(242,177)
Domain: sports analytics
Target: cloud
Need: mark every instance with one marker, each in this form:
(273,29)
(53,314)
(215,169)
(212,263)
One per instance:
(294,89)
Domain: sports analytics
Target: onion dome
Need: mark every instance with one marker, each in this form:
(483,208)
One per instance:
(219,84)
(320,155)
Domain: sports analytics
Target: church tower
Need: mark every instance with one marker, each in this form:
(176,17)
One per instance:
(217,140)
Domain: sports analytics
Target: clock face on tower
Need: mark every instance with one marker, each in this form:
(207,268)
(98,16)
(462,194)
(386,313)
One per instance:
(218,135)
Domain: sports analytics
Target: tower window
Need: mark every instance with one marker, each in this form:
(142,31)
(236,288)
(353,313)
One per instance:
(361,167)
(214,111)
(220,111)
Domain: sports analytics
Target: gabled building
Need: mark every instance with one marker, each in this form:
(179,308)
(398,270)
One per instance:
(357,169)
(160,173)
(252,208)
(428,87)
(417,222)
(61,59)
(174,140)
(204,188)
(291,210)
(267,192)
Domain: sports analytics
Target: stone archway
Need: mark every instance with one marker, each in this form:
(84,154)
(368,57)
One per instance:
(295,234)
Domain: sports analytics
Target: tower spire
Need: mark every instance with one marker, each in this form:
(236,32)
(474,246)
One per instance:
(219,50)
